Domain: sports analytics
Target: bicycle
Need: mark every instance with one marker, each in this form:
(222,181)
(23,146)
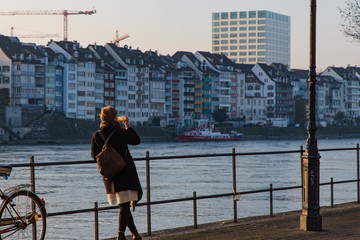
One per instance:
(22,212)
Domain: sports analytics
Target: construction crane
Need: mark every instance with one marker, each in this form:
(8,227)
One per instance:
(65,13)
(118,39)
(33,35)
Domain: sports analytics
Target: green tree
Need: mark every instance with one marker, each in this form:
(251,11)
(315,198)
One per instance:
(4,97)
(219,115)
(351,16)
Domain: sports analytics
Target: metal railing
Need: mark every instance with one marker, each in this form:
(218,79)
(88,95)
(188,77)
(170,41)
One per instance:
(235,194)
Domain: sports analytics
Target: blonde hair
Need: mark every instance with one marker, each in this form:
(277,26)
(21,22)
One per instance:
(108,114)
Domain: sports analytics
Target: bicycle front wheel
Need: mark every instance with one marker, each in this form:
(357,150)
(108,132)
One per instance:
(23,217)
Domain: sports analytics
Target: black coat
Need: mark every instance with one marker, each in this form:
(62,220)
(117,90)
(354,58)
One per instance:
(128,178)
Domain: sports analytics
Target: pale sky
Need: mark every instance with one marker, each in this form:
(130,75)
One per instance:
(182,25)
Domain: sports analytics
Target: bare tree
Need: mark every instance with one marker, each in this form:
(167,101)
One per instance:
(351,17)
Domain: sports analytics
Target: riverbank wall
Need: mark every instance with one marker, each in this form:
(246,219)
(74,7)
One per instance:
(55,129)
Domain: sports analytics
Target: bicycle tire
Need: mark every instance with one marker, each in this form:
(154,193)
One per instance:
(22,201)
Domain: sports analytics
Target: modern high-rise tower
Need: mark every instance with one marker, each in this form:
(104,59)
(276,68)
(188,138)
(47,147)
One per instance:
(252,36)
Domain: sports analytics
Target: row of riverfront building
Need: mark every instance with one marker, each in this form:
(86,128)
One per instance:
(180,89)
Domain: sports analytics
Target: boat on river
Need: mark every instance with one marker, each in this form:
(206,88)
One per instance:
(208,134)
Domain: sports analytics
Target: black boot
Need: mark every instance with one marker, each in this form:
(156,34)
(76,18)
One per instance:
(121,236)
(136,235)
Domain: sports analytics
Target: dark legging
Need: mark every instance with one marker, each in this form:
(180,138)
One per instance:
(126,218)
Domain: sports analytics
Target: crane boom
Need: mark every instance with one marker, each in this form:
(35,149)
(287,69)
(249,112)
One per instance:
(65,13)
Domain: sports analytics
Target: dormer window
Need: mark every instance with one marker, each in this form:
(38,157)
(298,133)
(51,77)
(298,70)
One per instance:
(128,60)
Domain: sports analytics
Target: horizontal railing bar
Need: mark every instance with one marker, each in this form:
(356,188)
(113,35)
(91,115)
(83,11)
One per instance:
(52,163)
(71,212)
(176,157)
(338,182)
(336,149)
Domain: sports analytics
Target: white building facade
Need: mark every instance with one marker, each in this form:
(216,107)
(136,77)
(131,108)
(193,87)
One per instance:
(252,36)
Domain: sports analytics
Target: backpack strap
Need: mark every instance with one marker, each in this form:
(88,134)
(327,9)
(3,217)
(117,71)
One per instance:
(108,138)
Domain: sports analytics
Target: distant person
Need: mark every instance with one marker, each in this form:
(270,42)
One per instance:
(124,189)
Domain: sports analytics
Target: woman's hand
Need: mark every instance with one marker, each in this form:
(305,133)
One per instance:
(126,122)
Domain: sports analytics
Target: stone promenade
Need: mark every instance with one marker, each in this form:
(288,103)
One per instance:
(340,222)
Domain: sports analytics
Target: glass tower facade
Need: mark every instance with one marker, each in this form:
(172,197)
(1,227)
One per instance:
(252,36)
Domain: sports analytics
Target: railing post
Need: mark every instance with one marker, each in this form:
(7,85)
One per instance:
(96,212)
(234,184)
(32,173)
(332,192)
(358,173)
(195,210)
(271,200)
(301,168)
(148,193)
(32,180)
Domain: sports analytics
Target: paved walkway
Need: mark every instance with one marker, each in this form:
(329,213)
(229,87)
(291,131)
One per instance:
(340,222)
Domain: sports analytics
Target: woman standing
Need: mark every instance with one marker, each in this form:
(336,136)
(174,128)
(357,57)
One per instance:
(124,188)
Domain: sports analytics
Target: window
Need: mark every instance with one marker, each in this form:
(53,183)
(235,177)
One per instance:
(71,86)
(261,14)
(71,67)
(242,28)
(224,29)
(233,15)
(224,23)
(252,28)
(233,41)
(242,34)
(252,34)
(252,22)
(233,35)
(215,16)
(233,29)
(215,24)
(233,22)
(243,14)
(215,30)
(224,35)
(224,41)
(242,22)
(224,15)
(252,14)
(71,76)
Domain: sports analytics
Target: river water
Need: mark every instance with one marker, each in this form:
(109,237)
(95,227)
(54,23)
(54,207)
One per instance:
(66,188)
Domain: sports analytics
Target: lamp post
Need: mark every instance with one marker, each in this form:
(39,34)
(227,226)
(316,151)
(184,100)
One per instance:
(310,219)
